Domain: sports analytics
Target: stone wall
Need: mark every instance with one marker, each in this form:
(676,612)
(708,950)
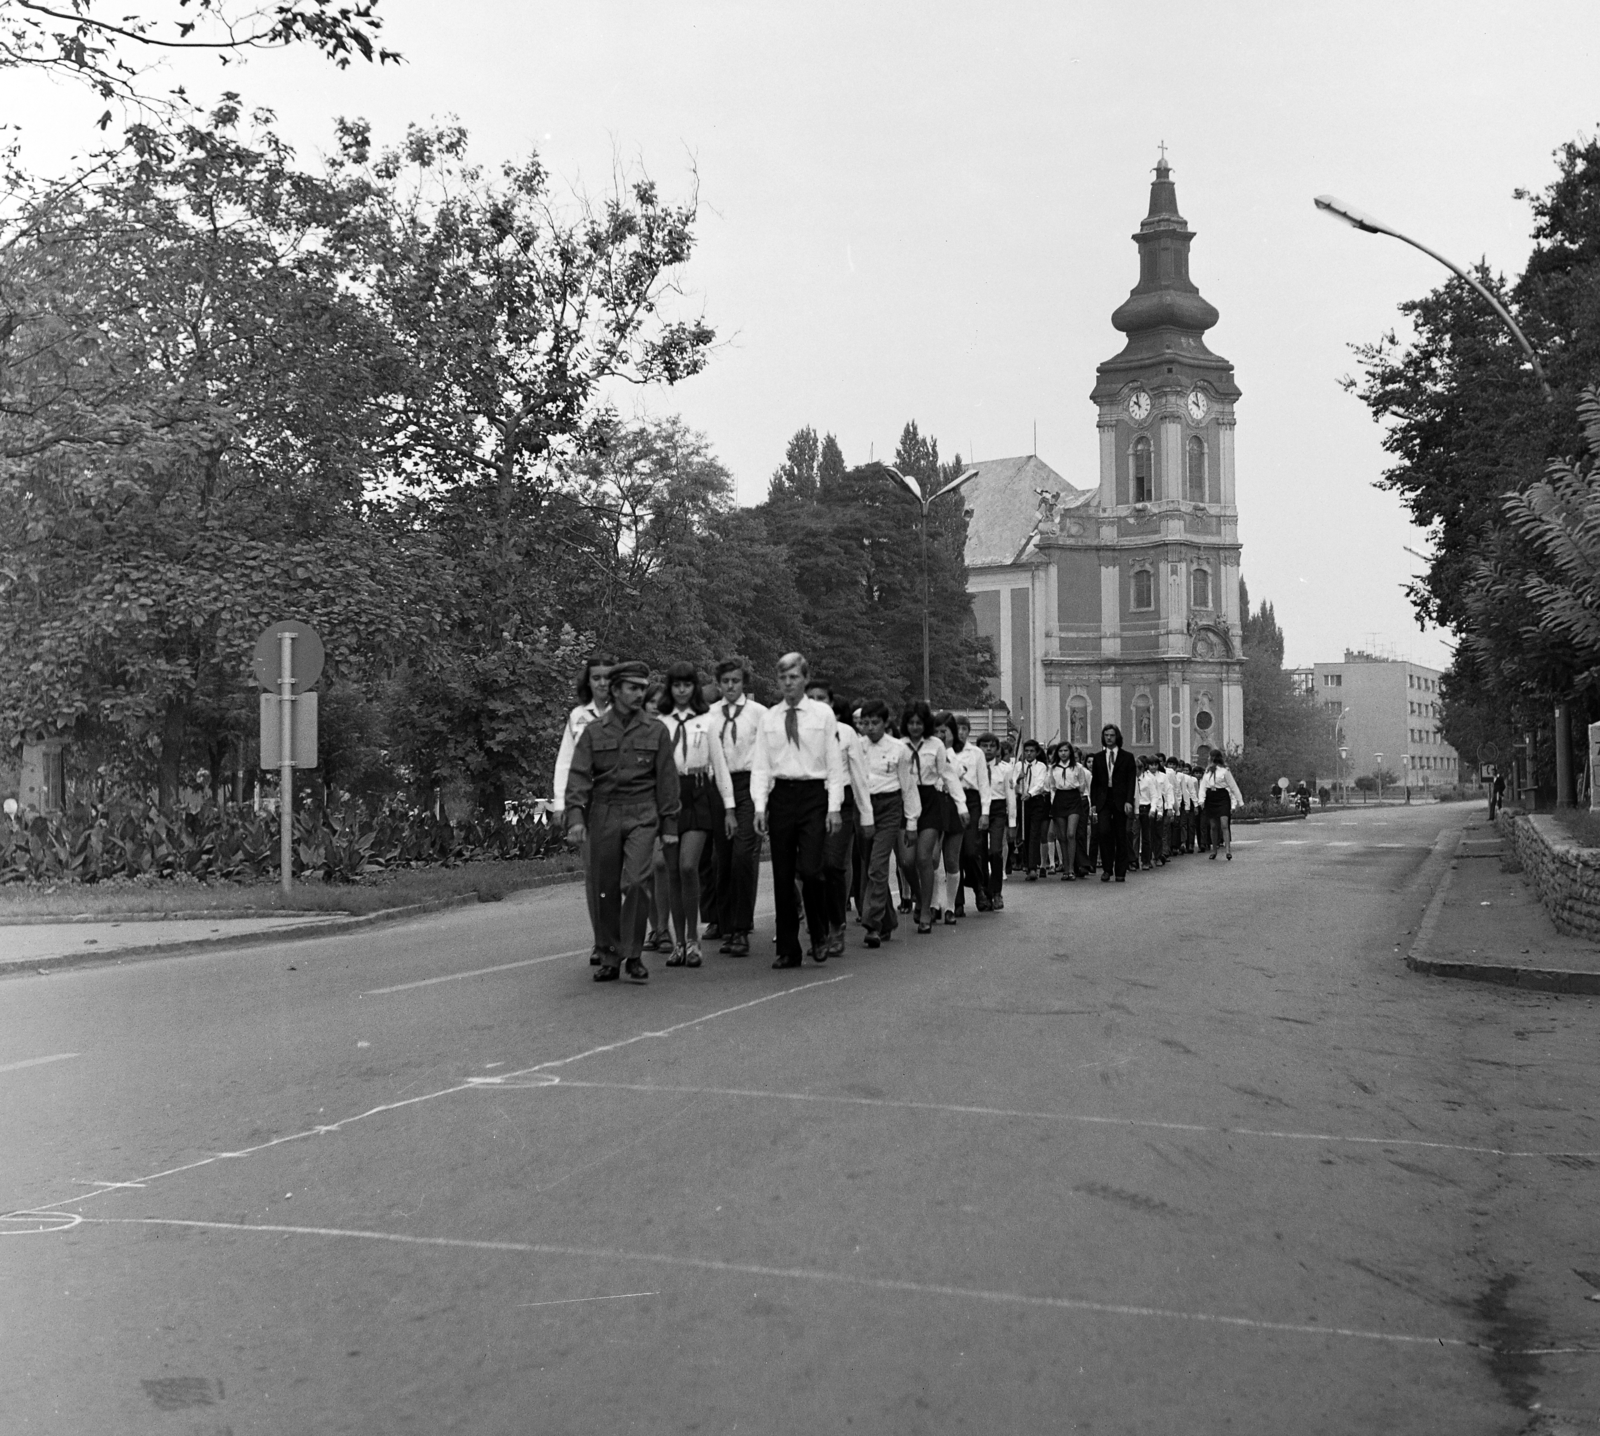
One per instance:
(1566,876)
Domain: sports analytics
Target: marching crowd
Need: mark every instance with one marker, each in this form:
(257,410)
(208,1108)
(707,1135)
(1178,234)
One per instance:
(670,797)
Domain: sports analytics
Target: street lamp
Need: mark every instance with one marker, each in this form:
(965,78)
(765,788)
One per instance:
(1344,783)
(1359,219)
(916,493)
(1377,777)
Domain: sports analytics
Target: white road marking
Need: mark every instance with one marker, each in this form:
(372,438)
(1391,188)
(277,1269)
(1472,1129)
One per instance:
(37,1061)
(1072,1117)
(476,972)
(811,1274)
(328,1128)
(574,1300)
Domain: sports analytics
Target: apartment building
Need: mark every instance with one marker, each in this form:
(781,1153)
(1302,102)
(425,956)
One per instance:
(1388,715)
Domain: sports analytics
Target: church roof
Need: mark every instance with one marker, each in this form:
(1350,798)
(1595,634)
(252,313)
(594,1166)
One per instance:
(1005,507)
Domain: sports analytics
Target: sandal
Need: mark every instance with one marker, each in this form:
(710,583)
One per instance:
(924,927)
(691,958)
(949,919)
(636,970)
(676,957)
(607,973)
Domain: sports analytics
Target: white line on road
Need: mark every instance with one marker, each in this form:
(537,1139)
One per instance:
(37,1061)
(1077,1117)
(811,1274)
(471,1084)
(476,972)
(574,1300)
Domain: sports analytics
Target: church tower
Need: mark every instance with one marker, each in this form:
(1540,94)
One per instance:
(1119,603)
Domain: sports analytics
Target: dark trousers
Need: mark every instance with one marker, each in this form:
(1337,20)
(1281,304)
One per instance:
(1036,822)
(888,819)
(838,851)
(1111,834)
(797,823)
(710,903)
(738,863)
(996,847)
(621,849)
(974,859)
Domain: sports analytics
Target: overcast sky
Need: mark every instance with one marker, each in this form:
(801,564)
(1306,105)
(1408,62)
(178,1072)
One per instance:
(924,211)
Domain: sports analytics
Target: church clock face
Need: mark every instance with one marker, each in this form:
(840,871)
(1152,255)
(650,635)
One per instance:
(1197,405)
(1139,406)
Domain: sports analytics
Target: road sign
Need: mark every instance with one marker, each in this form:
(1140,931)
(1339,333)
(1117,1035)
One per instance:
(304,735)
(307,651)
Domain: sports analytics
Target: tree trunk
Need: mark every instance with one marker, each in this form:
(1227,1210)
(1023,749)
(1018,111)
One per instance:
(170,774)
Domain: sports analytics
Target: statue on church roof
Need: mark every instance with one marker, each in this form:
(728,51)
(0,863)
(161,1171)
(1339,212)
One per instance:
(1049,511)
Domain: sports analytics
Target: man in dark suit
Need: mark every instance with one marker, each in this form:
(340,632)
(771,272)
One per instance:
(1113,784)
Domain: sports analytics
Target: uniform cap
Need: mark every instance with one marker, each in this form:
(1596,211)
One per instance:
(631,670)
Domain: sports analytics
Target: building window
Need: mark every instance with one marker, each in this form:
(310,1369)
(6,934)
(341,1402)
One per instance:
(1141,720)
(1078,721)
(1144,595)
(1333,680)
(1333,705)
(1143,475)
(1197,469)
(1202,588)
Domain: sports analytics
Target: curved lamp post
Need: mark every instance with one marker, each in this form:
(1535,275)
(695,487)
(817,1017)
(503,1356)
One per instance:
(1359,219)
(916,493)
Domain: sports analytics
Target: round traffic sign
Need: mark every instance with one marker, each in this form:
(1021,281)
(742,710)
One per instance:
(305,655)
(1489,753)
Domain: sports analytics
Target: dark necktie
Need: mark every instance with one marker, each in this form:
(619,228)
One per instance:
(730,719)
(683,734)
(791,723)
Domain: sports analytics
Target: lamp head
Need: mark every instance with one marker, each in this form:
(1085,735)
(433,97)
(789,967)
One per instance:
(916,490)
(1358,219)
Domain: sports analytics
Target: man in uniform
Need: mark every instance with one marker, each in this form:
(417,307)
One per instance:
(622,793)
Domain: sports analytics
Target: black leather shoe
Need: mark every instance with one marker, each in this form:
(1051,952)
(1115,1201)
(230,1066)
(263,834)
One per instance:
(636,970)
(924,927)
(607,973)
(711,933)
(594,958)
(1106,877)
(741,945)
(787,962)
(872,940)
(819,952)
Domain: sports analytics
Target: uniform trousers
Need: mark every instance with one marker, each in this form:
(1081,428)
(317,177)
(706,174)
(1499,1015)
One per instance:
(974,857)
(738,863)
(622,840)
(888,819)
(1111,834)
(838,851)
(996,847)
(797,823)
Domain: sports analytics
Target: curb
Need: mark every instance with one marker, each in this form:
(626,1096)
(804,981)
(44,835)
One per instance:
(1499,974)
(297,933)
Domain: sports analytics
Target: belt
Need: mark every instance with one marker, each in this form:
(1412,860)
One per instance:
(799,780)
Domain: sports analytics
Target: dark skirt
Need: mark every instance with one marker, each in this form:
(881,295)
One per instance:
(1219,802)
(955,815)
(1065,804)
(701,810)
(933,814)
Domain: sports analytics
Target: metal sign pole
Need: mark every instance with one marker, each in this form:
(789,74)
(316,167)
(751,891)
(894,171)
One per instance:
(286,760)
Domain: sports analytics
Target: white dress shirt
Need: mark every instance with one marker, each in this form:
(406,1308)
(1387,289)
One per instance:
(736,725)
(696,751)
(577,720)
(1150,790)
(814,755)
(931,760)
(972,770)
(855,769)
(1003,783)
(1220,778)
(887,764)
(1033,779)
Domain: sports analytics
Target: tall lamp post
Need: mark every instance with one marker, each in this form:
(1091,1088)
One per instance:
(916,493)
(1377,775)
(1359,219)
(1344,782)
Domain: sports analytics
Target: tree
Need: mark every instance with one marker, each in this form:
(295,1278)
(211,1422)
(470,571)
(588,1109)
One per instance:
(796,477)
(1285,733)
(113,52)
(186,444)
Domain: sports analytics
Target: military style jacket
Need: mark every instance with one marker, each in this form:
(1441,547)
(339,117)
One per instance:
(616,763)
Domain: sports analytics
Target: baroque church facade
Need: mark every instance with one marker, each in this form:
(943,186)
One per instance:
(1119,603)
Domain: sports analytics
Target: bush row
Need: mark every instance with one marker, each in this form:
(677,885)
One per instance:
(205,841)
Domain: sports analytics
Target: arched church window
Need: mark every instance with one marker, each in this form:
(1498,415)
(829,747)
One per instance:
(1078,721)
(1201,585)
(1141,720)
(1197,469)
(1143,473)
(1143,589)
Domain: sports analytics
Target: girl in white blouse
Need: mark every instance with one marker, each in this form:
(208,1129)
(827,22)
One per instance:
(706,793)
(1219,796)
(939,788)
(1070,801)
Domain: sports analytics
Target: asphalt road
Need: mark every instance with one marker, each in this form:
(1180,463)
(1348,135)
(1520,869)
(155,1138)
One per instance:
(1190,1154)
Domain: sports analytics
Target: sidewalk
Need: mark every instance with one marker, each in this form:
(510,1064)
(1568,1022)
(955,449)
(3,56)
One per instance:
(1487,925)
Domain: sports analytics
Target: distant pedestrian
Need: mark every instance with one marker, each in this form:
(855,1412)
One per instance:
(1497,794)
(622,794)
